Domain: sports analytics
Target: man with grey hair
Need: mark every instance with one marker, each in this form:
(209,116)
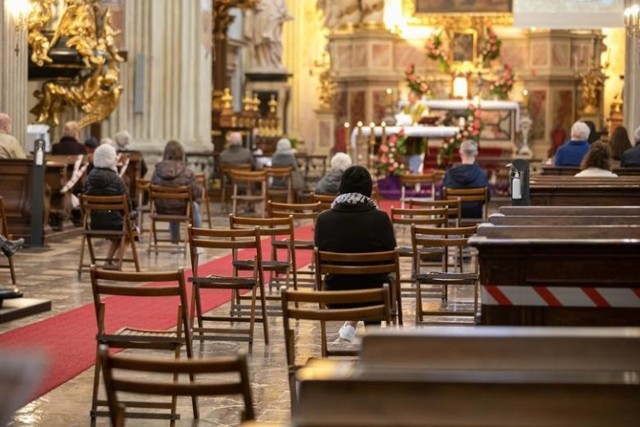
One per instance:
(330,183)
(235,154)
(122,140)
(468,174)
(10,148)
(69,144)
(631,157)
(572,152)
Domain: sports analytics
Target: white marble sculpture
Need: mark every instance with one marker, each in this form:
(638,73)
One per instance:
(265,31)
(345,13)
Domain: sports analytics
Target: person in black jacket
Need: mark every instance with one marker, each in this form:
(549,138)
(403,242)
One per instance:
(69,143)
(103,180)
(354,224)
(631,157)
(467,175)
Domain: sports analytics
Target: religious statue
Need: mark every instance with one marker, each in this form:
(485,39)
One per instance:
(78,23)
(372,11)
(591,84)
(40,15)
(344,13)
(265,29)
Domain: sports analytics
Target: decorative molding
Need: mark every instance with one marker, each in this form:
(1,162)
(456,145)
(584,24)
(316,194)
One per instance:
(454,21)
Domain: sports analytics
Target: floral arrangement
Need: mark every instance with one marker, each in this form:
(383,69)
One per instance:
(416,83)
(470,131)
(436,52)
(491,48)
(390,160)
(503,85)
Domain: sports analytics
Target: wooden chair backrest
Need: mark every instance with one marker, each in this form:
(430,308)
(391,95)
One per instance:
(364,263)
(89,203)
(246,176)
(409,179)
(324,199)
(167,192)
(440,237)
(436,216)
(279,172)
(227,168)
(453,205)
(227,239)
(469,195)
(299,211)
(120,374)
(267,226)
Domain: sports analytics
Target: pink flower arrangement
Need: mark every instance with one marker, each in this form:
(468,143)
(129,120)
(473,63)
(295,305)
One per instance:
(491,48)
(503,85)
(390,161)
(470,131)
(436,52)
(415,82)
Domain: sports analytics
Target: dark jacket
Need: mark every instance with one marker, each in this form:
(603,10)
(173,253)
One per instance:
(237,155)
(351,229)
(280,160)
(571,153)
(467,176)
(175,174)
(69,146)
(631,157)
(330,183)
(106,182)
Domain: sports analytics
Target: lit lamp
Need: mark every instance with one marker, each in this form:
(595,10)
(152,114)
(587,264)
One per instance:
(460,87)
(19,11)
(632,21)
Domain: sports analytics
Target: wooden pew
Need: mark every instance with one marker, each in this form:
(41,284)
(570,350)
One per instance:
(559,276)
(561,220)
(559,170)
(16,182)
(478,377)
(570,191)
(569,210)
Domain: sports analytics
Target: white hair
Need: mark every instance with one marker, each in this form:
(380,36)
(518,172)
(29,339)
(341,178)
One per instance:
(580,131)
(235,138)
(105,156)
(470,148)
(108,141)
(340,161)
(636,134)
(123,138)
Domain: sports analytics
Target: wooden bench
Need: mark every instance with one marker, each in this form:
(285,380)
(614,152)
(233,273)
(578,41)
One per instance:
(572,275)
(561,220)
(478,377)
(572,170)
(569,190)
(569,210)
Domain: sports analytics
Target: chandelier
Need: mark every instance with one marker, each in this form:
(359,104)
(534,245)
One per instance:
(632,21)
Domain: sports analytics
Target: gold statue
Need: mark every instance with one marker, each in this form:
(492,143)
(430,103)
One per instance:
(107,40)
(78,23)
(592,82)
(40,15)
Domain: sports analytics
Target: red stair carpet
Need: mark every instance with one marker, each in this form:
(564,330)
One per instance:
(68,339)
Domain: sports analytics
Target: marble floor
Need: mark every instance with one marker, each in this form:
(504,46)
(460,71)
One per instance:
(52,274)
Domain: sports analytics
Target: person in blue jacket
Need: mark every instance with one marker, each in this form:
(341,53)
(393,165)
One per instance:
(572,152)
(468,174)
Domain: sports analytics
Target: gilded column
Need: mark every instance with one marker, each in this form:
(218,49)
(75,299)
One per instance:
(13,73)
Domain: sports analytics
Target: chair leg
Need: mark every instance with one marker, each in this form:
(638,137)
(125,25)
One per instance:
(96,386)
(418,302)
(252,319)
(265,322)
(81,265)
(12,271)
(134,254)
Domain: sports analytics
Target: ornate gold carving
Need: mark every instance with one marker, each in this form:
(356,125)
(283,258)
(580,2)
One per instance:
(221,17)
(86,29)
(591,86)
(326,80)
(454,21)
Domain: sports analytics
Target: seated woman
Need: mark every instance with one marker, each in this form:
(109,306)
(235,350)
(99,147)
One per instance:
(10,247)
(597,162)
(330,183)
(354,224)
(619,144)
(285,156)
(173,171)
(103,180)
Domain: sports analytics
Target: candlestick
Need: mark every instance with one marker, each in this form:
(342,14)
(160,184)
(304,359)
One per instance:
(347,139)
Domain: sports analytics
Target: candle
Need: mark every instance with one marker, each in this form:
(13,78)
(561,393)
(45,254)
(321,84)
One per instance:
(347,138)
(525,98)
(358,152)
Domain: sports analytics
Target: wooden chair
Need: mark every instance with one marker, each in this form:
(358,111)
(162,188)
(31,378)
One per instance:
(242,243)
(442,239)
(403,219)
(301,213)
(281,235)
(127,285)
(226,185)
(168,194)
(120,376)
(453,205)
(143,206)
(363,264)
(5,232)
(202,180)
(254,186)
(412,181)
(282,176)
(466,195)
(324,199)
(322,306)
(126,235)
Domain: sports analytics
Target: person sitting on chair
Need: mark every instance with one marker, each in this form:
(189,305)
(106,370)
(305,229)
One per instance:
(631,156)
(354,224)
(235,154)
(330,182)
(103,180)
(10,247)
(468,174)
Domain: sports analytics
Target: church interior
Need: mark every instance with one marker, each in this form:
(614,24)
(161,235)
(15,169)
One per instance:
(165,165)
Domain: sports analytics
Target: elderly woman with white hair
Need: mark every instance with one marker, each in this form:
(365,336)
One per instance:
(285,156)
(103,180)
(572,152)
(330,183)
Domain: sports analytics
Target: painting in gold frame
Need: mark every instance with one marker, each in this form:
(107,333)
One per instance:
(463,6)
(464,46)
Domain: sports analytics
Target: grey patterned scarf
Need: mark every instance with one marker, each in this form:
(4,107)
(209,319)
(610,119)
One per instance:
(353,199)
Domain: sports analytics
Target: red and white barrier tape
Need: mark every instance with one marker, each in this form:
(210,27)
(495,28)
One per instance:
(561,296)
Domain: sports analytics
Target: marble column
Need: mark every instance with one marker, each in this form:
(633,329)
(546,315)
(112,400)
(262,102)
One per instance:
(631,106)
(13,73)
(172,40)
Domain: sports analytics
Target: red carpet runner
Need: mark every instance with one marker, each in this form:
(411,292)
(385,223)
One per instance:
(68,339)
